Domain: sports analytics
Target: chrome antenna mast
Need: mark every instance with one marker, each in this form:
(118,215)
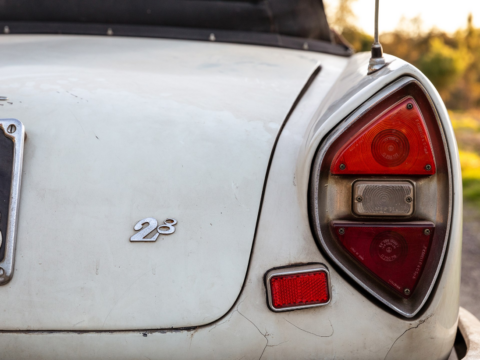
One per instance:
(377,61)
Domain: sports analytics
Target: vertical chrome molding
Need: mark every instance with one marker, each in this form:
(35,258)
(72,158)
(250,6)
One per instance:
(14,130)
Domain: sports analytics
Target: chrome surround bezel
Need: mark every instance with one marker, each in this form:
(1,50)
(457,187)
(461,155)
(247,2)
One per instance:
(293,270)
(18,137)
(318,159)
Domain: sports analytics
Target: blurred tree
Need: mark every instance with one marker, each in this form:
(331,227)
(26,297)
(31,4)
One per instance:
(450,61)
(343,17)
(343,20)
(359,40)
(443,65)
(466,92)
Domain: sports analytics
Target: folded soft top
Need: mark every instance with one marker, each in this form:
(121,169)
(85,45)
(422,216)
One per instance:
(285,23)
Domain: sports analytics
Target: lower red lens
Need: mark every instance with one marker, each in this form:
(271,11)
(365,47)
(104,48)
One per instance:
(299,289)
(394,253)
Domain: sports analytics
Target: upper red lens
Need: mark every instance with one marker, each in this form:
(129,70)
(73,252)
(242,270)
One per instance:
(396,253)
(299,289)
(396,142)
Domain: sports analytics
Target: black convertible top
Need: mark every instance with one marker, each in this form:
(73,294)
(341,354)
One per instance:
(298,24)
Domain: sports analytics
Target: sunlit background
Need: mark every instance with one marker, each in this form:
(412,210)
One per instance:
(446,15)
(442,39)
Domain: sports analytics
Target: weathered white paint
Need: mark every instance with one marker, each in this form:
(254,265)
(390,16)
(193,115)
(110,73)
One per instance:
(351,327)
(121,129)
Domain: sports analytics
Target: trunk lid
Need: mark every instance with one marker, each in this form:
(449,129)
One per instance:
(122,129)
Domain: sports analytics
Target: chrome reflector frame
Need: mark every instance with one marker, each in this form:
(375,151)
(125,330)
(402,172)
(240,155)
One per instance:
(294,270)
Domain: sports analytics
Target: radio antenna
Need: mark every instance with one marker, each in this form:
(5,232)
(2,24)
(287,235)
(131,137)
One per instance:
(377,61)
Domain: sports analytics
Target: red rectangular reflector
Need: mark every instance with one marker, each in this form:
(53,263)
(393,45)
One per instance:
(304,289)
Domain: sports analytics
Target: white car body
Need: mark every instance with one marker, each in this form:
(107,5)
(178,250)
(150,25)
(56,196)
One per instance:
(121,129)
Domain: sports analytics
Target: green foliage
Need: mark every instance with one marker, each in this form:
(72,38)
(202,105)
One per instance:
(357,38)
(442,64)
(467,131)
(471,191)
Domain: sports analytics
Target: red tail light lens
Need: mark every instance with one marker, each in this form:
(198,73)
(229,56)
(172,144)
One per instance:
(298,287)
(395,253)
(396,142)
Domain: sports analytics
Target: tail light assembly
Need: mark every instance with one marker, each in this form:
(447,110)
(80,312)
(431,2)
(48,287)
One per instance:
(381,196)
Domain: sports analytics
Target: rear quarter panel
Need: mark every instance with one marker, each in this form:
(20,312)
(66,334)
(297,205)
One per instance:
(352,326)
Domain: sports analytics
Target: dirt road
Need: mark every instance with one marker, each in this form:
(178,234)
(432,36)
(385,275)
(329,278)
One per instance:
(469,291)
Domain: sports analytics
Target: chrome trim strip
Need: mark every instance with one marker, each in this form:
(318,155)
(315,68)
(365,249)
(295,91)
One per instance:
(293,271)
(18,137)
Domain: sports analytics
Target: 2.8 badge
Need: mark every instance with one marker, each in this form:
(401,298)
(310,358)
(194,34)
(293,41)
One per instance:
(167,228)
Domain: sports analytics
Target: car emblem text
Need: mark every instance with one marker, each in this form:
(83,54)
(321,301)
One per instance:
(167,228)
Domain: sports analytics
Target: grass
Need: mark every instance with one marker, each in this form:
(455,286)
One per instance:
(467,131)
(471,191)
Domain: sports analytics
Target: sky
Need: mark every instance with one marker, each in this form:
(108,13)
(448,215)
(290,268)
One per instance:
(446,15)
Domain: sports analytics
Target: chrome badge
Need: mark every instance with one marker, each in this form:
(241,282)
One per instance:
(167,228)
(12,137)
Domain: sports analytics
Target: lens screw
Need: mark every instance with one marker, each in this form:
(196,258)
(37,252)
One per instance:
(428,167)
(426,231)
(406,291)
(409,106)
(341,231)
(2,272)
(359,198)
(408,199)
(342,167)
(11,129)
